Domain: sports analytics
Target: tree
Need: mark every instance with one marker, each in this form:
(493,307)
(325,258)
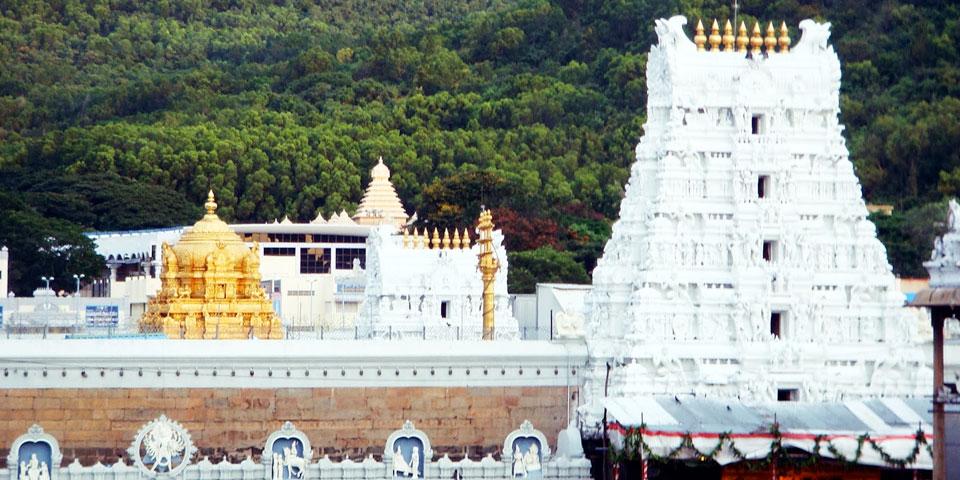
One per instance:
(540,266)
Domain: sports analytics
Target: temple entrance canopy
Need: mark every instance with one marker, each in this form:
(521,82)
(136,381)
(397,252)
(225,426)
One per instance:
(210,287)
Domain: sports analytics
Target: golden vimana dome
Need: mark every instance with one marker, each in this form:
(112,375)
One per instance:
(210,286)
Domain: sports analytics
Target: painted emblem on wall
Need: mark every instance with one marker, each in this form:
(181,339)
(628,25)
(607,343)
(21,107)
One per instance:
(407,452)
(161,448)
(288,453)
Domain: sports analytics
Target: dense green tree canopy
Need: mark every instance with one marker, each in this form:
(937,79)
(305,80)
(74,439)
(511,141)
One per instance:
(282,107)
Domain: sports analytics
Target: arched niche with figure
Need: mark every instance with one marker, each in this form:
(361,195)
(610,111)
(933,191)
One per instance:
(34,455)
(287,454)
(524,452)
(407,453)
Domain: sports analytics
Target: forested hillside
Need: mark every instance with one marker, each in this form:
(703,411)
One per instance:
(122,113)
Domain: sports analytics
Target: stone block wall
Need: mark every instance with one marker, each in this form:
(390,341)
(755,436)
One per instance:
(99,424)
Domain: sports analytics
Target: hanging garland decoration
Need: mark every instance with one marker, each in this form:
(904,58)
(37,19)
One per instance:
(634,444)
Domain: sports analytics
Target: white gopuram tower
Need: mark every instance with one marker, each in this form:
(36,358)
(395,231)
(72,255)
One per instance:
(743,264)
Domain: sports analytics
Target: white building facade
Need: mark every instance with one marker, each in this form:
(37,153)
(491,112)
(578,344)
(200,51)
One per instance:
(416,287)
(743,264)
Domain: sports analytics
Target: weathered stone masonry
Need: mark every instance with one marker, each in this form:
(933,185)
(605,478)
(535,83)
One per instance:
(94,424)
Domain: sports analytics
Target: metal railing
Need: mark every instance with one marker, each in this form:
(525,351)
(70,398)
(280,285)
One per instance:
(321,332)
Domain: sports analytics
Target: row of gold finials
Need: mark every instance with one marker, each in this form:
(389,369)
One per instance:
(423,240)
(755,41)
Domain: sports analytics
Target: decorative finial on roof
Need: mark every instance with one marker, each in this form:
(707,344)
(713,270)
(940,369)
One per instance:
(771,40)
(728,37)
(756,41)
(742,39)
(211,204)
(784,39)
(715,36)
(700,39)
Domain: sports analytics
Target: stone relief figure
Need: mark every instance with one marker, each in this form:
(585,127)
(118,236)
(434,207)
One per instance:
(169,259)
(34,469)
(953,219)
(295,464)
(402,468)
(519,468)
(531,459)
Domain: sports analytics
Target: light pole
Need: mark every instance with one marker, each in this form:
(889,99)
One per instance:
(48,280)
(313,292)
(78,278)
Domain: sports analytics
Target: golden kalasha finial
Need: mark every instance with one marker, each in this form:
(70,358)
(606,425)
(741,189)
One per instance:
(700,39)
(784,39)
(742,39)
(466,239)
(756,41)
(728,37)
(406,238)
(415,241)
(456,239)
(715,36)
(211,204)
(771,40)
(446,239)
(435,242)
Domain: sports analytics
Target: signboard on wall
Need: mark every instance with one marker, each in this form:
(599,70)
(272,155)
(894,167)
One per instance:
(102,315)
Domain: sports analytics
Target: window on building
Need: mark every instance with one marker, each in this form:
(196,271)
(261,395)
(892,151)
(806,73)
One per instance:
(279,252)
(763,186)
(286,237)
(770,250)
(314,260)
(776,324)
(756,124)
(444,308)
(788,395)
(346,256)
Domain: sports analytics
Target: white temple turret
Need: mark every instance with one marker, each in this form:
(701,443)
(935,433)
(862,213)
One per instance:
(380,204)
(743,263)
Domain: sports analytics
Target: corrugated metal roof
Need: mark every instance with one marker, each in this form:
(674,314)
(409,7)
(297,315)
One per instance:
(711,415)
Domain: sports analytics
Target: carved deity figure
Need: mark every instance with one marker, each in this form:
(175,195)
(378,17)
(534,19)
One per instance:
(402,468)
(296,465)
(953,219)
(531,459)
(519,468)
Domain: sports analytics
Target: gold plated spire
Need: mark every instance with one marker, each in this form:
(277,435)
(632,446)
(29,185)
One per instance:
(756,41)
(771,39)
(700,39)
(742,39)
(435,242)
(446,238)
(728,37)
(466,239)
(456,239)
(210,286)
(406,238)
(715,36)
(784,39)
(488,266)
